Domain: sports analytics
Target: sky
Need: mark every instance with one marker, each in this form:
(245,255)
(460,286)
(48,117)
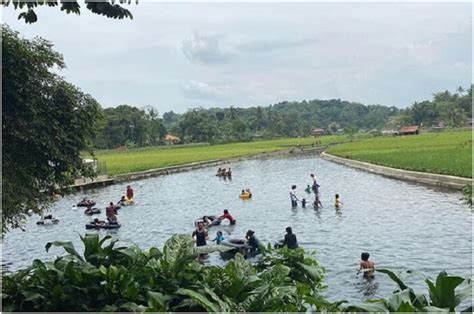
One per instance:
(176,56)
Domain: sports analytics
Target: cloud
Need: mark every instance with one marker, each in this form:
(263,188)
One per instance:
(270,45)
(201,90)
(204,49)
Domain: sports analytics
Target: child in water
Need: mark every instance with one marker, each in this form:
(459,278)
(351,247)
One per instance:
(308,189)
(366,266)
(338,204)
(219,237)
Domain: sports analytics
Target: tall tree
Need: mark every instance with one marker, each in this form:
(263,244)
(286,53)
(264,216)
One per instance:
(47,122)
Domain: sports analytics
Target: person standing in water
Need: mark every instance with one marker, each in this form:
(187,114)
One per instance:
(338,204)
(111,212)
(317,195)
(129,193)
(367,266)
(294,199)
(200,235)
(290,239)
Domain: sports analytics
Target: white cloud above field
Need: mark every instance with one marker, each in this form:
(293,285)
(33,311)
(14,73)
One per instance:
(176,56)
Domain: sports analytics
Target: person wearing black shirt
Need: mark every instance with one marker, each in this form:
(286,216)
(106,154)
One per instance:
(290,239)
(200,235)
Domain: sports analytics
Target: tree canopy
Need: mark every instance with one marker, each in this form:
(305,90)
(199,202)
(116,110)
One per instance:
(107,8)
(47,122)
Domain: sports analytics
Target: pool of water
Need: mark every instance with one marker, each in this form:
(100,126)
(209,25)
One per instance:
(403,225)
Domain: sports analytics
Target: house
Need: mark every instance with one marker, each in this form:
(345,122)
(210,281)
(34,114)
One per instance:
(170,139)
(317,132)
(410,130)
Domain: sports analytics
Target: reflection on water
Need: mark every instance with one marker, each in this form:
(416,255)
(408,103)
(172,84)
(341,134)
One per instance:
(402,225)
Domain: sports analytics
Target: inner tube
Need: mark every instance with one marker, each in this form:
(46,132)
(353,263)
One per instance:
(245,196)
(213,218)
(236,243)
(85,203)
(239,245)
(93,211)
(107,225)
(127,202)
(44,222)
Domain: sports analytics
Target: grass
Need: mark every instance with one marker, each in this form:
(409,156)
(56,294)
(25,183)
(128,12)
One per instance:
(447,153)
(158,157)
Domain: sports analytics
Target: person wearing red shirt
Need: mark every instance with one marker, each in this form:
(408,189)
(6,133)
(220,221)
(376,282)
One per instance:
(227,216)
(129,192)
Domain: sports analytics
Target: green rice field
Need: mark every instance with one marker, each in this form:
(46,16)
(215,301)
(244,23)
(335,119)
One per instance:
(448,153)
(118,162)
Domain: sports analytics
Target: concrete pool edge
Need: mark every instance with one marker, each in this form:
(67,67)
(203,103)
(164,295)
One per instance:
(440,180)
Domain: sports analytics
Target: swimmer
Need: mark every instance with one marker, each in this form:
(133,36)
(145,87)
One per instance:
(367,266)
(338,204)
(294,199)
(219,237)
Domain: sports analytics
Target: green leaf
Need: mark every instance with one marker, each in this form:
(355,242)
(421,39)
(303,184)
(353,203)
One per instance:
(201,299)
(393,277)
(443,294)
(67,246)
(396,300)
(156,301)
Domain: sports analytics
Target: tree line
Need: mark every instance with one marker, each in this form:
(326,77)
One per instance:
(130,126)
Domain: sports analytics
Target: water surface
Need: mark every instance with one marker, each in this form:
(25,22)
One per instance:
(402,225)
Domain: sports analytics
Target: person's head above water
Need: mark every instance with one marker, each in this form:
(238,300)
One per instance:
(337,195)
(249,233)
(111,204)
(364,256)
(293,187)
(312,175)
(289,230)
(200,224)
(226,211)
(219,233)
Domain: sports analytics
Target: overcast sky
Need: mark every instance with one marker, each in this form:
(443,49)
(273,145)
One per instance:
(176,56)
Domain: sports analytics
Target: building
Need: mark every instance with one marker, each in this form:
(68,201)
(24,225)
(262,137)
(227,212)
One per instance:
(170,139)
(317,132)
(410,130)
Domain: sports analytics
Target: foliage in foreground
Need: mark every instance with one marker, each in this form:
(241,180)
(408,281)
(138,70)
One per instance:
(110,278)
(443,296)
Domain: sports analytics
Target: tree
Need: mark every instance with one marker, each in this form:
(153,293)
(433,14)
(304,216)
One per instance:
(103,7)
(198,125)
(47,122)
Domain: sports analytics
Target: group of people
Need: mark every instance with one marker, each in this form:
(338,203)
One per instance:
(111,211)
(223,172)
(128,198)
(246,194)
(314,188)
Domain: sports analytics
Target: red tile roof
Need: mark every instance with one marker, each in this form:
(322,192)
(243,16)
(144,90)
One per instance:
(409,129)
